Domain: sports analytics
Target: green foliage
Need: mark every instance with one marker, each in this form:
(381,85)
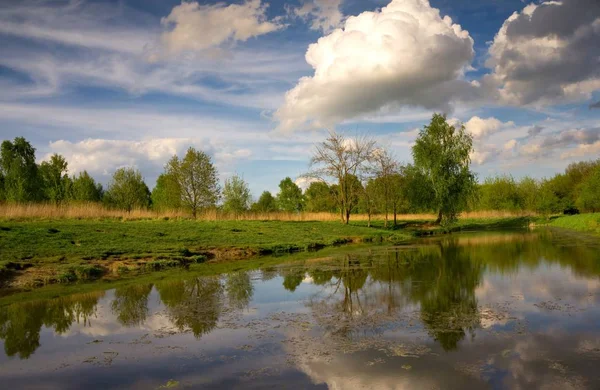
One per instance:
(166,194)
(266,203)
(197,178)
(55,180)
(127,190)
(236,195)
(290,197)
(441,153)
(548,202)
(528,190)
(85,189)
(500,193)
(589,193)
(319,197)
(21,177)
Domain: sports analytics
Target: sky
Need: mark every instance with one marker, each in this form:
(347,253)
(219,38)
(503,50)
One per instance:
(257,83)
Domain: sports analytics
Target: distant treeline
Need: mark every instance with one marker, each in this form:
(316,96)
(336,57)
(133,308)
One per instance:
(365,176)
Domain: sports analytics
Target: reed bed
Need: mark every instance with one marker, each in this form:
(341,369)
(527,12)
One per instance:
(98,211)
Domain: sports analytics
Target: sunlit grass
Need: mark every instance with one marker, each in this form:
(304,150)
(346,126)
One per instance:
(97,211)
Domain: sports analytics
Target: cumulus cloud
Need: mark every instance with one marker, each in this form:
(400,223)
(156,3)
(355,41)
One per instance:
(563,144)
(325,15)
(480,127)
(547,53)
(404,55)
(103,156)
(191,26)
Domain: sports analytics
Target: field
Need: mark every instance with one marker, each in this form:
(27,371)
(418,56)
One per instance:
(43,251)
(589,223)
(43,244)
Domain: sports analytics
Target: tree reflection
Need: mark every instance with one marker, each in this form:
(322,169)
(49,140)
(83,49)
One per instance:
(194,304)
(131,304)
(20,324)
(239,289)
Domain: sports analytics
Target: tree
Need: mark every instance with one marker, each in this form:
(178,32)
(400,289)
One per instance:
(21,177)
(384,166)
(289,197)
(127,190)
(2,192)
(589,194)
(54,177)
(85,189)
(265,204)
(236,195)
(198,179)
(441,153)
(500,193)
(528,192)
(547,201)
(319,197)
(166,194)
(398,196)
(338,158)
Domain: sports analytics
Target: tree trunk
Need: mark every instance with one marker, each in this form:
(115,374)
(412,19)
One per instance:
(395,215)
(347,216)
(439,218)
(369,223)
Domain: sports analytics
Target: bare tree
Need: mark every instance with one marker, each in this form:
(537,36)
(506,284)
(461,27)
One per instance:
(342,159)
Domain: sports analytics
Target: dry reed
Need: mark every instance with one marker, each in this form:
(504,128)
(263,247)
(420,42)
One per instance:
(98,211)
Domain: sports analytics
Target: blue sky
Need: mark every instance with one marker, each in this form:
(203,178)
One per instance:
(257,83)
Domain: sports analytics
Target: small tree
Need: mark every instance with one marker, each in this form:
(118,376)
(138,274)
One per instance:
(265,203)
(384,166)
(547,201)
(289,197)
(319,197)
(21,177)
(166,194)
(441,153)
(340,158)
(85,189)
(236,195)
(198,179)
(127,190)
(589,194)
(54,178)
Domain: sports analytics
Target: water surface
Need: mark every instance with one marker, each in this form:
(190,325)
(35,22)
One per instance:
(490,310)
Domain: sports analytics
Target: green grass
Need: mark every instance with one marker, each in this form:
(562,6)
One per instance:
(68,246)
(40,252)
(589,223)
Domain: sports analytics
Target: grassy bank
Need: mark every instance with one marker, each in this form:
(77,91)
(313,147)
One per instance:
(589,223)
(38,252)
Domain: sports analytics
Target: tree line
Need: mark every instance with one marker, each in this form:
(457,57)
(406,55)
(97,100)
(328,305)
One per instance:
(347,175)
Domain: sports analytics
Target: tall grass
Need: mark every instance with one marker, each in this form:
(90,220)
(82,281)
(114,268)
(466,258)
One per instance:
(98,211)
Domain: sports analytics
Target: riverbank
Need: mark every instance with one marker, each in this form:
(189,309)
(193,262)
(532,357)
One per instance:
(587,223)
(37,253)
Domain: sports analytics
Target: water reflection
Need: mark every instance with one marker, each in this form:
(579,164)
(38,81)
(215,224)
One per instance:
(496,299)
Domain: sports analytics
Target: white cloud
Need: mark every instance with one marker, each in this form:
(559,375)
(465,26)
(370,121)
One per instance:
(404,55)
(191,26)
(482,127)
(546,54)
(583,150)
(325,15)
(104,156)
